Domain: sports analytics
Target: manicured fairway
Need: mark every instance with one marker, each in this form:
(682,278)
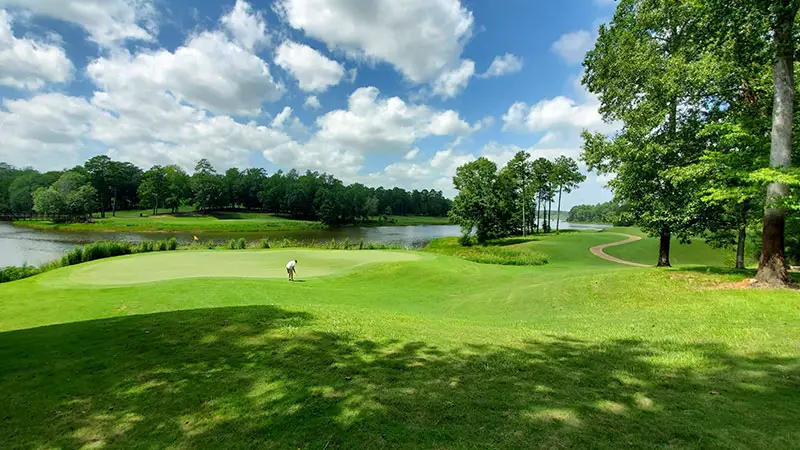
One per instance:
(251,264)
(432,352)
(697,252)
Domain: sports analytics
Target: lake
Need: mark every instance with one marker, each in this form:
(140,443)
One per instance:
(19,245)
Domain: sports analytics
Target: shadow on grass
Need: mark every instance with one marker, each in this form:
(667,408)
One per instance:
(261,377)
(744,273)
(716,270)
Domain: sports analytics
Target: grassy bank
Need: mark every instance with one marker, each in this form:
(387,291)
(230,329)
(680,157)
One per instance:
(404,221)
(189,222)
(426,352)
(215,222)
(509,252)
(697,252)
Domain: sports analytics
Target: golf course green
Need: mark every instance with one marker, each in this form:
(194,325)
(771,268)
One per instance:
(253,264)
(378,349)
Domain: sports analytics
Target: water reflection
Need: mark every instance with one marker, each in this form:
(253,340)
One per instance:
(20,246)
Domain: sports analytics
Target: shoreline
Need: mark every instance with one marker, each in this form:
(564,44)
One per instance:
(163,225)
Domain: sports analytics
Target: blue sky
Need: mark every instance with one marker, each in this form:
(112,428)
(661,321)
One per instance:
(374,91)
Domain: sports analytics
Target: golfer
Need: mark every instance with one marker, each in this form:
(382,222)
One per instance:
(290,268)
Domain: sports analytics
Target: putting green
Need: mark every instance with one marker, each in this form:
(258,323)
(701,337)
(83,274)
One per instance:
(247,264)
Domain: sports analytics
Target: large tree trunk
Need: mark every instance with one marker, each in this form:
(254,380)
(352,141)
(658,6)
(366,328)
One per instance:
(523,211)
(663,248)
(114,204)
(558,213)
(740,247)
(772,268)
(549,212)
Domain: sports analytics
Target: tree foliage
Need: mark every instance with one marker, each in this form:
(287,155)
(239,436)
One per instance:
(71,198)
(513,200)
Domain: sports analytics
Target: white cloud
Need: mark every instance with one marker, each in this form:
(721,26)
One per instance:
(485,123)
(371,124)
(248,28)
(46,130)
(572,47)
(448,123)
(559,113)
(287,122)
(209,71)
(449,84)
(27,63)
(155,107)
(502,65)
(411,154)
(420,38)
(314,71)
(106,21)
(312,102)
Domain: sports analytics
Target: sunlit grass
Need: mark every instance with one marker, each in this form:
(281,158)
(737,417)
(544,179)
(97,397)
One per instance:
(437,352)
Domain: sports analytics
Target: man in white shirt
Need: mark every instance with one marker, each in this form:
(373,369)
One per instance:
(290,268)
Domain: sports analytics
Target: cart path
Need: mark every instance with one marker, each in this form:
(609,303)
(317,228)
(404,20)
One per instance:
(598,250)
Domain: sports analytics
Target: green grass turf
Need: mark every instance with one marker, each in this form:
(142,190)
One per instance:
(251,264)
(188,221)
(401,221)
(433,353)
(697,252)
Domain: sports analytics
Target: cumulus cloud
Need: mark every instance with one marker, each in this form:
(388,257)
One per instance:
(247,27)
(559,113)
(46,130)
(420,38)
(287,122)
(27,63)
(572,47)
(371,124)
(449,84)
(312,102)
(157,107)
(208,71)
(502,65)
(314,71)
(411,154)
(107,22)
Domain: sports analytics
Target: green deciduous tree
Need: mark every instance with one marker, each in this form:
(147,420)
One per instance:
(566,177)
(70,198)
(154,189)
(477,205)
(648,71)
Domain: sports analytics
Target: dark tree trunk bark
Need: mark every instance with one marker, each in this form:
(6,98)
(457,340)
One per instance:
(772,268)
(740,247)
(558,213)
(663,248)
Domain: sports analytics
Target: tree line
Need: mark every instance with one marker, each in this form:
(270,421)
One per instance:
(704,91)
(106,186)
(516,199)
(608,212)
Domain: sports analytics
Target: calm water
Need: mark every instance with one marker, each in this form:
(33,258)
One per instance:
(20,246)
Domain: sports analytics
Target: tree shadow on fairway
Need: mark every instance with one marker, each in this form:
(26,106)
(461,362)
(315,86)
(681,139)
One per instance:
(263,377)
(730,271)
